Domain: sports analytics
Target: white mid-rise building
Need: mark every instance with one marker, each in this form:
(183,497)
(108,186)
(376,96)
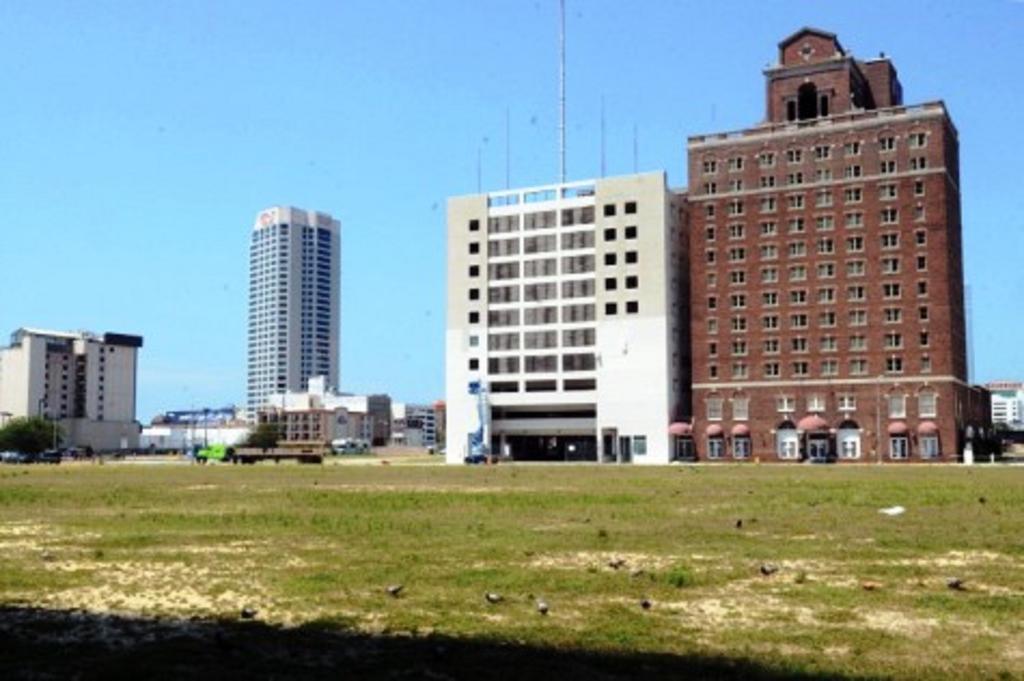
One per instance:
(85,381)
(294,301)
(1007,403)
(567,307)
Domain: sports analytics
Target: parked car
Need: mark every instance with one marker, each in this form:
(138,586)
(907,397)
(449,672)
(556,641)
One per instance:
(49,456)
(14,457)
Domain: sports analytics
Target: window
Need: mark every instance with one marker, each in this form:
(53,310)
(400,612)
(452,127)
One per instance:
(631,257)
(630,207)
(639,445)
(855,268)
(771,346)
(795,201)
(798,321)
(858,342)
(769,275)
(918,163)
(474,294)
(917,140)
(785,404)
(716,447)
(851,148)
(474,225)
(766,159)
(767,181)
(822,152)
(474,270)
(887,167)
(847,403)
(739,370)
(632,281)
(709,166)
(858,367)
(922,288)
(611,308)
(474,317)
(801,369)
(922,313)
(853,220)
(798,297)
(769,252)
(891,290)
(737,277)
(798,344)
(770,322)
(714,406)
(894,365)
(736,254)
(798,273)
(893,340)
(890,265)
(898,447)
(632,307)
(609,258)
(824,223)
(740,408)
(823,175)
(850,172)
(767,204)
(828,344)
(795,179)
(897,406)
(609,210)
(474,247)
(929,446)
(794,155)
(770,298)
(611,283)
(815,403)
(630,232)
(887,143)
(823,198)
(737,301)
(609,234)
(739,324)
(927,405)
(918,187)
(772,370)
(892,315)
(889,216)
(712,349)
(853,195)
(474,364)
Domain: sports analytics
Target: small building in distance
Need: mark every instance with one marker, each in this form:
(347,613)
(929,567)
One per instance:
(1007,404)
(183,430)
(414,425)
(320,416)
(86,381)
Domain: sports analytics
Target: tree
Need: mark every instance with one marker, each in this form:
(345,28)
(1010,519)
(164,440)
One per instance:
(30,435)
(264,436)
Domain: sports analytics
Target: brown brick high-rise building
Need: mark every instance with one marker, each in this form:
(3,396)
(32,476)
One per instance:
(827,303)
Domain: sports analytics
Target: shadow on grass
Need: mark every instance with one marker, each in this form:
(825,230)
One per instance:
(37,643)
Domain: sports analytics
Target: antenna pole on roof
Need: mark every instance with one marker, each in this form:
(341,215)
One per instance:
(561,91)
(602,138)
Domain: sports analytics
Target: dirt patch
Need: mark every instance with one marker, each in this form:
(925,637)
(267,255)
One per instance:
(900,623)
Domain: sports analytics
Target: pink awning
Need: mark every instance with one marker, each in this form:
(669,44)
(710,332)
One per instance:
(741,430)
(812,422)
(898,428)
(715,430)
(680,429)
(927,428)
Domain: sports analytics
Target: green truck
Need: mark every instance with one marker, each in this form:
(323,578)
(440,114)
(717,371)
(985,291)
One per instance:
(225,454)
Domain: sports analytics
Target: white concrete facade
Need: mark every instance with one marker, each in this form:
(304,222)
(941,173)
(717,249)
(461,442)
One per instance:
(566,303)
(1007,403)
(294,301)
(86,381)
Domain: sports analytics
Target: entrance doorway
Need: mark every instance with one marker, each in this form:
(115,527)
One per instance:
(817,449)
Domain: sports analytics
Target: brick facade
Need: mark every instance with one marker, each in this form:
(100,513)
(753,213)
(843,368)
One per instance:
(826,271)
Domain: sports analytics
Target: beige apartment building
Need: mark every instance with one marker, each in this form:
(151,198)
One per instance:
(86,381)
(567,308)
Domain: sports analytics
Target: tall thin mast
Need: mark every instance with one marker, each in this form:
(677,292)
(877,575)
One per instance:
(561,91)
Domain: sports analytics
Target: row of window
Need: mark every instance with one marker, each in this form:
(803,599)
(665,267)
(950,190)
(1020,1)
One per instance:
(800,344)
(583,215)
(797,178)
(536,364)
(828,368)
(896,404)
(800,296)
(848,446)
(547,385)
(820,152)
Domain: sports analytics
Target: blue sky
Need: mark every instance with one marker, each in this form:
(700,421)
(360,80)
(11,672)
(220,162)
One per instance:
(139,140)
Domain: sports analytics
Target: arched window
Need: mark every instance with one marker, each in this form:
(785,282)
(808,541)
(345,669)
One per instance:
(807,101)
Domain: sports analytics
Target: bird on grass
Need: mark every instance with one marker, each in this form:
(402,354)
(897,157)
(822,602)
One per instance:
(616,563)
(739,523)
(395,589)
(542,607)
(493,598)
(767,569)
(982,500)
(956,584)
(646,604)
(248,613)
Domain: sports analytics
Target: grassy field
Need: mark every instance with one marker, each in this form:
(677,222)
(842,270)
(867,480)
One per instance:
(129,569)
